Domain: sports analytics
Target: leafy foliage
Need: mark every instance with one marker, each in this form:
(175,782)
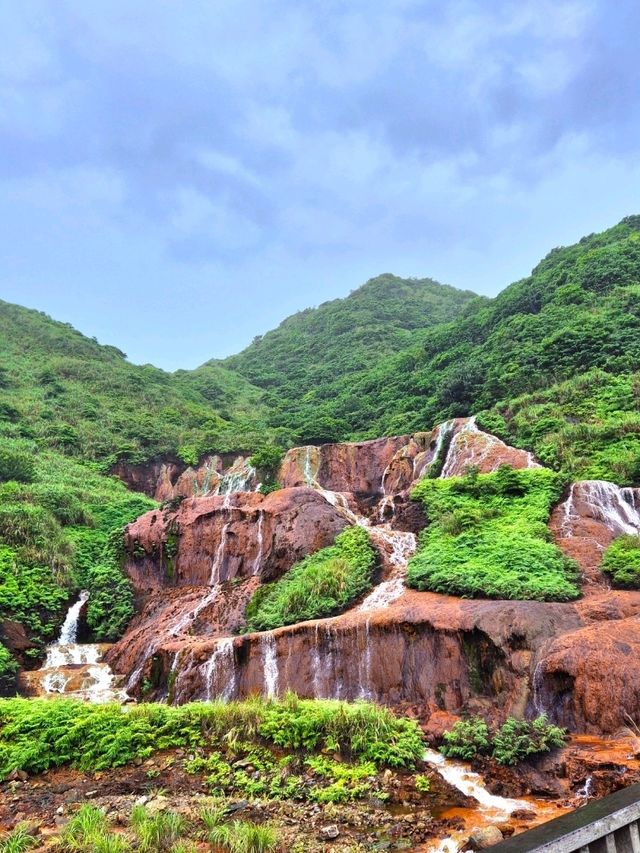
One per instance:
(466,739)
(516,740)
(488,537)
(38,734)
(58,534)
(512,743)
(321,585)
(622,561)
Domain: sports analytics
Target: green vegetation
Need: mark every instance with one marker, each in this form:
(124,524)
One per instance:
(587,427)
(622,561)
(321,585)
(241,836)
(68,393)
(488,537)
(466,739)
(512,743)
(60,533)
(38,734)
(19,840)
(266,460)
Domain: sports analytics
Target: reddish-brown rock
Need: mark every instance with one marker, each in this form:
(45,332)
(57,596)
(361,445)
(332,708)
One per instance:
(214,539)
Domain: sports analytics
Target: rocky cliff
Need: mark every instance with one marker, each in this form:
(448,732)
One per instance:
(195,567)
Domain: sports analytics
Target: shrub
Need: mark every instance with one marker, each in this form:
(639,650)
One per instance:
(16,462)
(321,585)
(622,561)
(514,741)
(8,672)
(466,739)
(488,537)
(518,739)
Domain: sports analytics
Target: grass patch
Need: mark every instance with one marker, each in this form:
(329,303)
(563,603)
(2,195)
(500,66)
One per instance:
(488,537)
(322,584)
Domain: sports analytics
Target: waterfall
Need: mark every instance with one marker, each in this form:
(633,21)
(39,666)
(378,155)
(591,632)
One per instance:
(471,785)
(187,620)
(89,678)
(221,665)
(614,506)
(307,469)
(538,677)
(364,665)
(236,479)
(214,577)
(403,546)
(316,665)
(69,630)
(587,789)
(270,666)
(387,500)
(258,560)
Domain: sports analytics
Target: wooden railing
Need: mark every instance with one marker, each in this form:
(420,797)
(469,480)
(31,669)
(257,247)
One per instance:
(609,825)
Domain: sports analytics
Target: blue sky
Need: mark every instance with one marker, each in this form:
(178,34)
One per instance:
(177,177)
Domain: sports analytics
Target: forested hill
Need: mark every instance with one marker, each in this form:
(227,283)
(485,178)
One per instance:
(560,349)
(66,392)
(310,363)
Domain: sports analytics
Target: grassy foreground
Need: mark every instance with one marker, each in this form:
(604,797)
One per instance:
(38,734)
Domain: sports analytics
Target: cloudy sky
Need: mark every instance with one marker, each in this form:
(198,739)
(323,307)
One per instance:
(177,177)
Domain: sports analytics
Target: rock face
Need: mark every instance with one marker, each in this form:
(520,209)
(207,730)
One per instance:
(195,567)
(213,539)
(170,479)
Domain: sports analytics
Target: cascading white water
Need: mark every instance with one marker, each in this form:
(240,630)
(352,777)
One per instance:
(270,665)
(616,507)
(471,785)
(537,690)
(218,560)
(220,671)
(364,666)
(586,792)
(75,669)
(307,469)
(477,450)
(236,479)
(257,563)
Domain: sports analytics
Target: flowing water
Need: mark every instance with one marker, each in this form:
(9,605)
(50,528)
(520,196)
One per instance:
(270,666)
(220,671)
(616,507)
(76,669)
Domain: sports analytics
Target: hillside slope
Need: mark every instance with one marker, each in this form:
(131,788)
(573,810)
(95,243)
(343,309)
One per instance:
(67,392)
(314,357)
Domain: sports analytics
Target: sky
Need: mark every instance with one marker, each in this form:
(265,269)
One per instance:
(178,177)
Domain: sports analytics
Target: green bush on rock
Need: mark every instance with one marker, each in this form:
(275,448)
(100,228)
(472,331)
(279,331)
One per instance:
(514,741)
(321,585)
(488,537)
(621,560)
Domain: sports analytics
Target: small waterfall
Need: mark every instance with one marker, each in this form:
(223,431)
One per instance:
(616,507)
(537,681)
(471,785)
(586,792)
(218,560)
(258,560)
(364,665)
(387,500)
(308,467)
(270,666)
(316,666)
(236,479)
(185,622)
(403,546)
(69,630)
(220,671)
(75,669)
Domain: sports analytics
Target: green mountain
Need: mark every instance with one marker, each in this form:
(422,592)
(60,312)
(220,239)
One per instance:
(554,357)
(68,393)
(309,365)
